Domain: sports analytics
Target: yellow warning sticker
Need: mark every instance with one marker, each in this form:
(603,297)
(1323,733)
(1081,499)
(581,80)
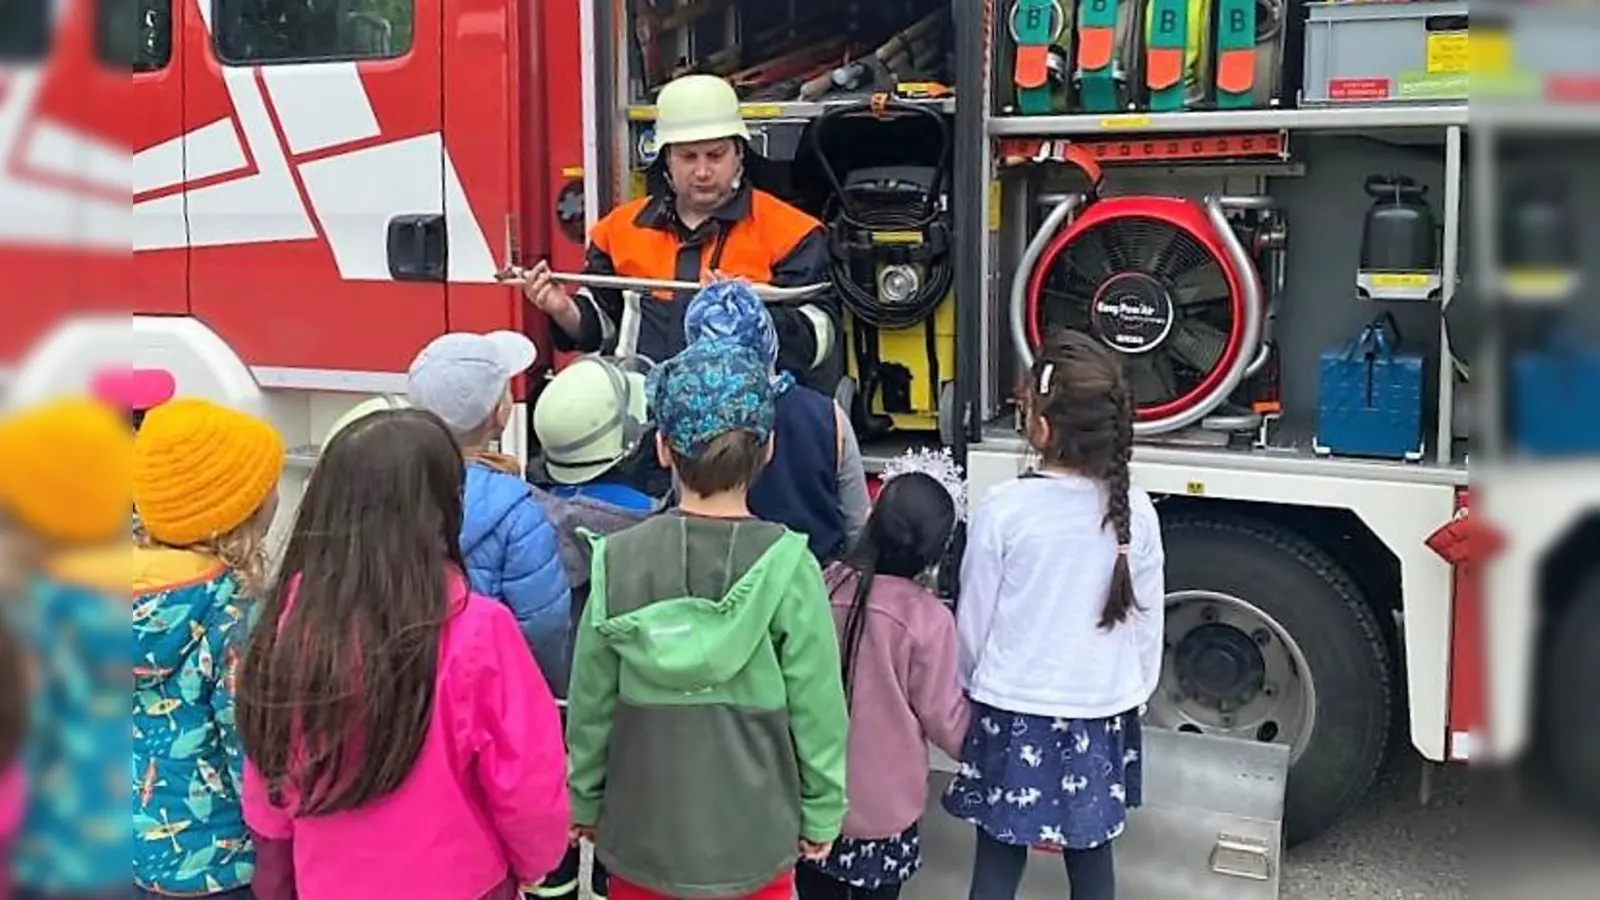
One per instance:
(993,223)
(1449,53)
(1401,279)
(897,237)
(761,110)
(1490,52)
(1123,123)
(641,113)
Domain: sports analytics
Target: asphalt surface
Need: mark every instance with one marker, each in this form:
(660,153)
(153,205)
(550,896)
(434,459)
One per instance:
(1495,834)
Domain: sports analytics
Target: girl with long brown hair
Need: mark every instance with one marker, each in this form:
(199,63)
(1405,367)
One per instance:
(1060,624)
(397,730)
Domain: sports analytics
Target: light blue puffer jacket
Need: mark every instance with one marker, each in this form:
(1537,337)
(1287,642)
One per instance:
(513,555)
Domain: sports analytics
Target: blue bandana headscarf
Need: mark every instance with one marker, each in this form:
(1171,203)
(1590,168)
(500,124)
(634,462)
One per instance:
(730,310)
(713,387)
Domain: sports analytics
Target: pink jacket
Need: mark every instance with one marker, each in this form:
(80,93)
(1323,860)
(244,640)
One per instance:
(486,802)
(905,693)
(13,799)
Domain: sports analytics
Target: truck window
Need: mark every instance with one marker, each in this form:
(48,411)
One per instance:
(254,32)
(134,34)
(24,30)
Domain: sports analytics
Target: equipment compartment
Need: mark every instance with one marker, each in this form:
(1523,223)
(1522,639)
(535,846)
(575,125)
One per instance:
(1385,52)
(785,51)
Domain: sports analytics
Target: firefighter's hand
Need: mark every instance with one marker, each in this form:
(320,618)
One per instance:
(580,833)
(542,292)
(548,297)
(716,276)
(814,852)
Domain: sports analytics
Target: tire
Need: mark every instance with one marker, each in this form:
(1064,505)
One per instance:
(1570,730)
(1341,745)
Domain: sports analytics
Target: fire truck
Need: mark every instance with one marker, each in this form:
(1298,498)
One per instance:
(321,187)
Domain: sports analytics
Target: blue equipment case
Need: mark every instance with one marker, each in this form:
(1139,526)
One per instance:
(1370,397)
(1555,398)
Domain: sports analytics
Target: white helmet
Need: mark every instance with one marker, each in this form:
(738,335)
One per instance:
(698,108)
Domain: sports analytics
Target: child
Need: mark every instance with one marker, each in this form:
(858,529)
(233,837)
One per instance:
(399,736)
(205,482)
(64,493)
(707,722)
(816,483)
(898,642)
(1060,622)
(591,424)
(509,545)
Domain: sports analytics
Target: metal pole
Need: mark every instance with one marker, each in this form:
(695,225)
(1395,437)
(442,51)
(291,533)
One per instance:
(1450,270)
(969,202)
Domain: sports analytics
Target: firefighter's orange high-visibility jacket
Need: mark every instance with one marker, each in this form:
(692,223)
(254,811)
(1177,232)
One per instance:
(755,235)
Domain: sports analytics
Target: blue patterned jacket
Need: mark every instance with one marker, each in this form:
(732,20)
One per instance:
(189,625)
(73,621)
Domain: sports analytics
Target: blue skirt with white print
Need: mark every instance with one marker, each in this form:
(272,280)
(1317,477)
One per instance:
(1035,780)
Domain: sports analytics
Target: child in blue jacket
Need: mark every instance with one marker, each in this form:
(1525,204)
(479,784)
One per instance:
(510,547)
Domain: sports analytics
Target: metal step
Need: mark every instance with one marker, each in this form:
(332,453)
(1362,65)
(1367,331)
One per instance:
(1211,828)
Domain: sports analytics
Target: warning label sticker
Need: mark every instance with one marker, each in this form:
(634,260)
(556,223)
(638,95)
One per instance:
(1358,89)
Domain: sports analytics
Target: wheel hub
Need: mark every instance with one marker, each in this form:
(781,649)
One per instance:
(1219,666)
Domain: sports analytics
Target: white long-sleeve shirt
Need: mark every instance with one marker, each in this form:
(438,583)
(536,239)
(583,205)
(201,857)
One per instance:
(1034,581)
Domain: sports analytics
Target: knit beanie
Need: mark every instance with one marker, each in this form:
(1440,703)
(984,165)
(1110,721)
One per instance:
(201,470)
(64,471)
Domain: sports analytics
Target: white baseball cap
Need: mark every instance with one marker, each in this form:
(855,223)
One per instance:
(461,377)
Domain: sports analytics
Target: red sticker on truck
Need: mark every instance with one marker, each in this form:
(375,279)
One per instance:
(1358,89)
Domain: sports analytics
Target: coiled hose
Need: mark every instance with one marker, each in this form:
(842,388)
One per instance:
(937,275)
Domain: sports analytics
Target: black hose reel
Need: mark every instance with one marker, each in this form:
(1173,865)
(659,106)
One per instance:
(889,234)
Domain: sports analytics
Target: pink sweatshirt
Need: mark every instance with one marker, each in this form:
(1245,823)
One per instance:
(485,803)
(906,692)
(13,799)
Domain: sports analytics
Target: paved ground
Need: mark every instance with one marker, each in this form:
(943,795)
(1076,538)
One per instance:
(1392,848)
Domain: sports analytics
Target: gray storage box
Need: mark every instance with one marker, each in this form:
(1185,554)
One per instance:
(1408,52)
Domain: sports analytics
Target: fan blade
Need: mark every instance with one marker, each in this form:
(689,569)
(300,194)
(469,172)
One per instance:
(1159,254)
(1196,344)
(1089,258)
(1150,377)
(1069,309)
(1206,284)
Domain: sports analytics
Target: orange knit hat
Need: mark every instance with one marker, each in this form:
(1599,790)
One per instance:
(201,470)
(64,471)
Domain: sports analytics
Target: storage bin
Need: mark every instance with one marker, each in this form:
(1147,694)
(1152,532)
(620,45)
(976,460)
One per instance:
(1385,52)
(1369,396)
(1555,402)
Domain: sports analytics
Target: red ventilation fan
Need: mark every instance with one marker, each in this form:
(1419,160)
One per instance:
(1166,283)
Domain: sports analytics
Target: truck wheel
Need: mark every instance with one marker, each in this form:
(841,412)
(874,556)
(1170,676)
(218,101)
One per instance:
(1268,639)
(1571,733)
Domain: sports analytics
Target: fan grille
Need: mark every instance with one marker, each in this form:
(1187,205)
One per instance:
(1171,260)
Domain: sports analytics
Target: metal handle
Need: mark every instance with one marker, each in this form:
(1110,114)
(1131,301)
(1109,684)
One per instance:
(1060,19)
(767,292)
(1254,308)
(1024,274)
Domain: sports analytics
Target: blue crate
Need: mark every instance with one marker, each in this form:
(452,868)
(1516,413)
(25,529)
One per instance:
(1370,397)
(1555,402)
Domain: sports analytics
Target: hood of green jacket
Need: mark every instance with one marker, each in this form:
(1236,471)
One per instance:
(682,642)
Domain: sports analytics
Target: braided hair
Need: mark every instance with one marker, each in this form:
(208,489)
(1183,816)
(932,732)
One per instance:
(1080,418)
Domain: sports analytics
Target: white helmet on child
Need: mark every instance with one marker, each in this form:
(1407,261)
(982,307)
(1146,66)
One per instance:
(589,418)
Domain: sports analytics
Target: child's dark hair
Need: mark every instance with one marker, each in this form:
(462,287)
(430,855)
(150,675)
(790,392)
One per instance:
(1078,390)
(908,531)
(13,696)
(729,462)
(336,692)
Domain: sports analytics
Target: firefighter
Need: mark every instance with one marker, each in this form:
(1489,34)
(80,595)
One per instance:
(702,220)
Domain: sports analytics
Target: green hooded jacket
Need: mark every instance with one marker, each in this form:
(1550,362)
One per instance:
(707,723)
